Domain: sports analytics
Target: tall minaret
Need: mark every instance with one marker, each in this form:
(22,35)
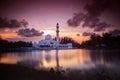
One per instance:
(57,32)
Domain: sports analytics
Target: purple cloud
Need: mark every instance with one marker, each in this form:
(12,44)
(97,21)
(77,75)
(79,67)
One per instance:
(24,23)
(115,32)
(75,21)
(93,13)
(101,27)
(12,23)
(87,34)
(29,32)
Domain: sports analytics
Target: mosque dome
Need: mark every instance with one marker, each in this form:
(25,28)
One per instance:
(48,37)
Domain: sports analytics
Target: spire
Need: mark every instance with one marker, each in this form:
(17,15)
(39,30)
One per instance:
(57,25)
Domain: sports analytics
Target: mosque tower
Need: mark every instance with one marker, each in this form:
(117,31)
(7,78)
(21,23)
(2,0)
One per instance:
(57,32)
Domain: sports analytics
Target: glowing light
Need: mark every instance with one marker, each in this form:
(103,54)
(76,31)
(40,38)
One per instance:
(46,32)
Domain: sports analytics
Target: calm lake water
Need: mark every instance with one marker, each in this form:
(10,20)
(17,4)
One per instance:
(74,59)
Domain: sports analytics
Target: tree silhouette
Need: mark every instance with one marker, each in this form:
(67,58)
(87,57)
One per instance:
(104,41)
(65,40)
(6,45)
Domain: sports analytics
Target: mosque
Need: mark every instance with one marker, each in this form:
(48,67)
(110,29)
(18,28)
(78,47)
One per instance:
(49,43)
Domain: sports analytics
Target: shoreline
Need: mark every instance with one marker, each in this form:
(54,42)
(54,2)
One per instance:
(19,72)
(28,49)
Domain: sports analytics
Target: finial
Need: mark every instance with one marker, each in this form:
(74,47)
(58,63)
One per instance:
(57,24)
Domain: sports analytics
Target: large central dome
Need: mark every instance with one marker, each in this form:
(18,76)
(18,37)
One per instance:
(48,37)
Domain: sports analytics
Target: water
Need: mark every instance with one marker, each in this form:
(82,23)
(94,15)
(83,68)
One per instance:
(74,59)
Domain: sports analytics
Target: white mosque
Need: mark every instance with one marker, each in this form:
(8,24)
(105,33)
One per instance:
(49,43)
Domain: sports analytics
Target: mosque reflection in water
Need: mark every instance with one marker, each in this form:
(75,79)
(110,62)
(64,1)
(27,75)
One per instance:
(63,59)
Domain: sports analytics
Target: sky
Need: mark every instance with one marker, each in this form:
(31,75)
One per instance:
(31,20)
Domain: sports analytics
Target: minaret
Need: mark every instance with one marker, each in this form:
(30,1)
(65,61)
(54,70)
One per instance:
(57,32)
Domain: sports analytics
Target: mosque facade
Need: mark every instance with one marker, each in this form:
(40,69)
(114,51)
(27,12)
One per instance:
(49,43)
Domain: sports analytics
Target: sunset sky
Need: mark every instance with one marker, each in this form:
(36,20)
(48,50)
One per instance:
(31,20)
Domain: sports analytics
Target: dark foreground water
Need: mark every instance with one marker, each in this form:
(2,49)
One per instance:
(74,61)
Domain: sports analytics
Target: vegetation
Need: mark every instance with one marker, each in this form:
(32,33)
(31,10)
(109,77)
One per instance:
(104,41)
(66,40)
(6,45)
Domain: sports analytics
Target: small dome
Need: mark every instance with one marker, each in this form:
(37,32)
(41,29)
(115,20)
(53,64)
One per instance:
(48,37)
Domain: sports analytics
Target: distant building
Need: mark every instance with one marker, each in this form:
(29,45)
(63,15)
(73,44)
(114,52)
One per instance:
(49,43)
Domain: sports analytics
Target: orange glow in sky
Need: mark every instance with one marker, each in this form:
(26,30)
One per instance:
(51,32)
(9,35)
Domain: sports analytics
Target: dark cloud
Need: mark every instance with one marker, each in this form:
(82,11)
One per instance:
(12,23)
(115,32)
(24,23)
(95,9)
(88,21)
(87,34)
(101,27)
(113,13)
(91,18)
(75,21)
(29,32)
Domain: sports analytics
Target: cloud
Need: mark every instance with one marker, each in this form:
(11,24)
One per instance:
(101,26)
(97,7)
(29,32)
(88,21)
(24,23)
(12,23)
(115,32)
(87,34)
(75,21)
(91,17)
